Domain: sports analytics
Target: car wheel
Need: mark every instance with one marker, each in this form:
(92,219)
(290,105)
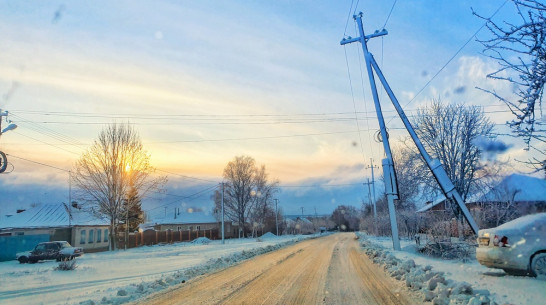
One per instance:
(538,266)
(23,260)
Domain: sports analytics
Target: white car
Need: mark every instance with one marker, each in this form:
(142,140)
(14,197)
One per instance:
(517,247)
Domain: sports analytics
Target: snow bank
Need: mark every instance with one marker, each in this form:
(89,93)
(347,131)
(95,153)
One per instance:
(504,288)
(433,286)
(201,241)
(268,235)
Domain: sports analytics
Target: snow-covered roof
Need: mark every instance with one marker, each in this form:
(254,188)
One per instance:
(184,218)
(526,188)
(303,219)
(434,203)
(51,216)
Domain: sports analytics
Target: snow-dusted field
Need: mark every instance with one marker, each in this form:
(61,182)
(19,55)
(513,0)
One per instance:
(504,288)
(102,275)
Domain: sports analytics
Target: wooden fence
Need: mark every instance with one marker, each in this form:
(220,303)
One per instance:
(152,237)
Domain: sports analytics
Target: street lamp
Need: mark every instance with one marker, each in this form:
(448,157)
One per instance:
(11,126)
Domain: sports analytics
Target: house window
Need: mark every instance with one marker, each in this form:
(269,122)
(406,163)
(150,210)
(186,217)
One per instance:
(179,228)
(190,228)
(91,236)
(99,237)
(82,237)
(198,228)
(105,235)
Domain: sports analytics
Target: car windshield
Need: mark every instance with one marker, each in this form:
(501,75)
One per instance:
(272,152)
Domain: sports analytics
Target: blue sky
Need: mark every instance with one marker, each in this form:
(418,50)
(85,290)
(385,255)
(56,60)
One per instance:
(266,79)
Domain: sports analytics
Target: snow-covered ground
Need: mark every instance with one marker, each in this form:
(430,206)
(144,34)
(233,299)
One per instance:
(122,276)
(504,289)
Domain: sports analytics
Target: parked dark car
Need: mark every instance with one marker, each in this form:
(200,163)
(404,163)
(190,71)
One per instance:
(58,250)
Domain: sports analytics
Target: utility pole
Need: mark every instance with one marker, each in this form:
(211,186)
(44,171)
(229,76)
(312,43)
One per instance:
(276,214)
(127,222)
(69,199)
(373,187)
(301,212)
(223,240)
(434,165)
(373,203)
(369,193)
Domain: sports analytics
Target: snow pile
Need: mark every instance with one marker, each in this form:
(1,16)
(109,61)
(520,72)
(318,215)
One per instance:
(433,285)
(201,241)
(268,235)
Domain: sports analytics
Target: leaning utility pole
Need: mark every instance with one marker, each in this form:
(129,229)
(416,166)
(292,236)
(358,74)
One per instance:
(388,166)
(391,185)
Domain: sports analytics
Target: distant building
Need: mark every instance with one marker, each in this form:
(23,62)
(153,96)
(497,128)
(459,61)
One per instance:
(51,222)
(186,221)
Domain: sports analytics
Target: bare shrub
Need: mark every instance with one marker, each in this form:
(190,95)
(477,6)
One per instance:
(67,265)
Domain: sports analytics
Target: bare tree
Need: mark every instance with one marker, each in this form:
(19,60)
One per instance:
(346,218)
(408,167)
(521,49)
(262,200)
(450,133)
(114,168)
(247,192)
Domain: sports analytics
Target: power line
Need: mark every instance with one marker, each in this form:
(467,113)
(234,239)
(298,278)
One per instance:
(322,185)
(354,103)
(186,116)
(187,177)
(43,164)
(186,197)
(45,143)
(455,55)
(46,131)
(364,98)
(389,16)
(348,17)
(254,138)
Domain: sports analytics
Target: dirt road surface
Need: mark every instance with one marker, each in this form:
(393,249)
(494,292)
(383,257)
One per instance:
(328,270)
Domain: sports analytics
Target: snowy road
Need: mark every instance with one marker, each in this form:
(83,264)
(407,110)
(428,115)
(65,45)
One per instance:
(329,270)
